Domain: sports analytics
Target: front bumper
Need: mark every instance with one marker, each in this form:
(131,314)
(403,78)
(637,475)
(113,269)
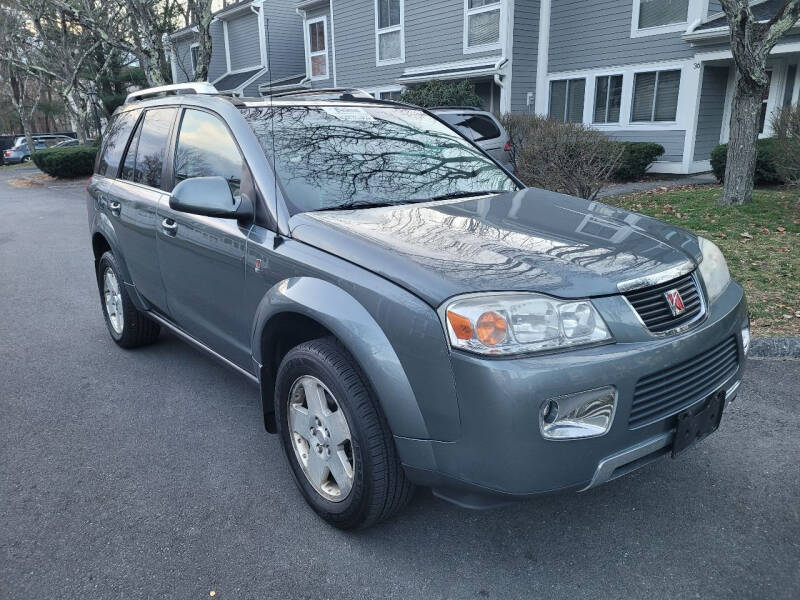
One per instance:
(501,454)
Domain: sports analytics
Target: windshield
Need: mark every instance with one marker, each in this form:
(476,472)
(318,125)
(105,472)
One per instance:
(333,157)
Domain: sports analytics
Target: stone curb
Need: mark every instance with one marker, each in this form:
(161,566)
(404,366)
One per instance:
(775,347)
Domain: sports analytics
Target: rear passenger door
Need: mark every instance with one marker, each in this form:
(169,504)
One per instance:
(202,258)
(135,195)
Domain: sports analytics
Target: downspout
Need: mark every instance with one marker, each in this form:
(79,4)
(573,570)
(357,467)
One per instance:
(333,44)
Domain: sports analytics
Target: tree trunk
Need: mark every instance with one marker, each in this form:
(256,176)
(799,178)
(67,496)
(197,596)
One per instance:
(203,8)
(740,166)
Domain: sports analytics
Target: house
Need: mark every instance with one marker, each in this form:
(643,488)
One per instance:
(640,70)
(253,42)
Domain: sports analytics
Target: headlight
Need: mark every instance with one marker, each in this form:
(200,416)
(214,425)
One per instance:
(713,269)
(517,323)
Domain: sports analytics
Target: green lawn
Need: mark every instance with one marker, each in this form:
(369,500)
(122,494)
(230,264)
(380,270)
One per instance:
(761,242)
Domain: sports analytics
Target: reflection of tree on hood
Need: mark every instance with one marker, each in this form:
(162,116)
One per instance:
(382,159)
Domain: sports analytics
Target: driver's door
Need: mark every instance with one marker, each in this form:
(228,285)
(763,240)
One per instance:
(202,258)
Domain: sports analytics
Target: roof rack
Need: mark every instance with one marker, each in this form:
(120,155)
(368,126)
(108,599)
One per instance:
(192,87)
(327,94)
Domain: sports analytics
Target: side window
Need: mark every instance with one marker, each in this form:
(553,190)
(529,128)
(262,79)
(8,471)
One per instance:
(152,146)
(129,162)
(116,139)
(205,148)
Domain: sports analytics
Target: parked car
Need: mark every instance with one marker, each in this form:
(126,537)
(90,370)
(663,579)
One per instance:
(67,143)
(481,127)
(412,313)
(49,139)
(20,152)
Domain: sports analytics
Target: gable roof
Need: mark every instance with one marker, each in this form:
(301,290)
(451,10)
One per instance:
(763,11)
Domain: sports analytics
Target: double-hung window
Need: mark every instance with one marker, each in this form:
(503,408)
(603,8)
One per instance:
(659,16)
(607,98)
(481,25)
(655,96)
(389,43)
(317,48)
(566,100)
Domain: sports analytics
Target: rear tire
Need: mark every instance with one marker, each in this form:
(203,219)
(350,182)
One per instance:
(128,327)
(374,481)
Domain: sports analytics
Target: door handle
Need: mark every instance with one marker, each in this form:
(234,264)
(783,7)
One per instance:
(169,226)
(115,207)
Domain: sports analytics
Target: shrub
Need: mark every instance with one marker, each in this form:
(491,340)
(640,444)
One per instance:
(786,125)
(564,157)
(768,159)
(635,160)
(442,93)
(72,161)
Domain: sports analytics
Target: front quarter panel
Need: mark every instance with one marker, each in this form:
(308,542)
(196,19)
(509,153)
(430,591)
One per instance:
(394,336)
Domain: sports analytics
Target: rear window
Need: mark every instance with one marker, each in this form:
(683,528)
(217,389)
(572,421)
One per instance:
(478,128)
(116,139)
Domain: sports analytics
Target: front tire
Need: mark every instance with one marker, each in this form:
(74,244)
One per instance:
(336,439)
(128,327)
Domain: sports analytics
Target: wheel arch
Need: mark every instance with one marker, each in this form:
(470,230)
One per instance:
(103,240)
(304,308)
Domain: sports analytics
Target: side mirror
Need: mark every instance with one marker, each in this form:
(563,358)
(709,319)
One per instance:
(211,197)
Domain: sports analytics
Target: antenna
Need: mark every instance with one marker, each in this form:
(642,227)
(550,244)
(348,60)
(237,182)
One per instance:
(272,135)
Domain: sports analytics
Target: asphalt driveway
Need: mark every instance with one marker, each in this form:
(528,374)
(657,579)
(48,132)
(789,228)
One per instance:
(147,474)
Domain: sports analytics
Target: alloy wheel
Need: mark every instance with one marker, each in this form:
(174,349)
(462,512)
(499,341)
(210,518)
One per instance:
(113,301)
(321,438)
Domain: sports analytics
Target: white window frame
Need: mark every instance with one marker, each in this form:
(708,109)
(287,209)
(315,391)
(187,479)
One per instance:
(594,79)
(192,61)
(695,12)
(468,12)
(569,81)
(652,121)
(392,28)
(307,38)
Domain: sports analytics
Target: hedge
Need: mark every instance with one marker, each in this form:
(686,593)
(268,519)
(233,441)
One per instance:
(768,161)
(636,159)
(72,161)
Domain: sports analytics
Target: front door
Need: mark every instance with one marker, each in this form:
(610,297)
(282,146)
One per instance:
(202,258)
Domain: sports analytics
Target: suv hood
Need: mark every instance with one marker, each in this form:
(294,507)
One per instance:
(530,240)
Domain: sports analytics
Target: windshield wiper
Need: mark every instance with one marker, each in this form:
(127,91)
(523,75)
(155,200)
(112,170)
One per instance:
(352,205)
(454,195)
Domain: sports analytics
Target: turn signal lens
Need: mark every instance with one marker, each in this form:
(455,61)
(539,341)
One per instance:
(462,327)
(492,328)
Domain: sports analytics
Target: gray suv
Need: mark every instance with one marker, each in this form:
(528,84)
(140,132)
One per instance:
(412,313)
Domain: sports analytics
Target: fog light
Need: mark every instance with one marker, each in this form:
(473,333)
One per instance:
(746,335)
(582,415)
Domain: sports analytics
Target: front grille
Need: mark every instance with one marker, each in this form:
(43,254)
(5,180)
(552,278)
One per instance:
(667,392)
(651,304)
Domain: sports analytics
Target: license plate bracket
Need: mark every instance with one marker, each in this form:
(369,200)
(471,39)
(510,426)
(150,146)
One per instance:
(696,423)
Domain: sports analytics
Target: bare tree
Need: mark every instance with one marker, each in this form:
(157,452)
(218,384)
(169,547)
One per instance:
(751,43)
(17,81)
(201,13)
